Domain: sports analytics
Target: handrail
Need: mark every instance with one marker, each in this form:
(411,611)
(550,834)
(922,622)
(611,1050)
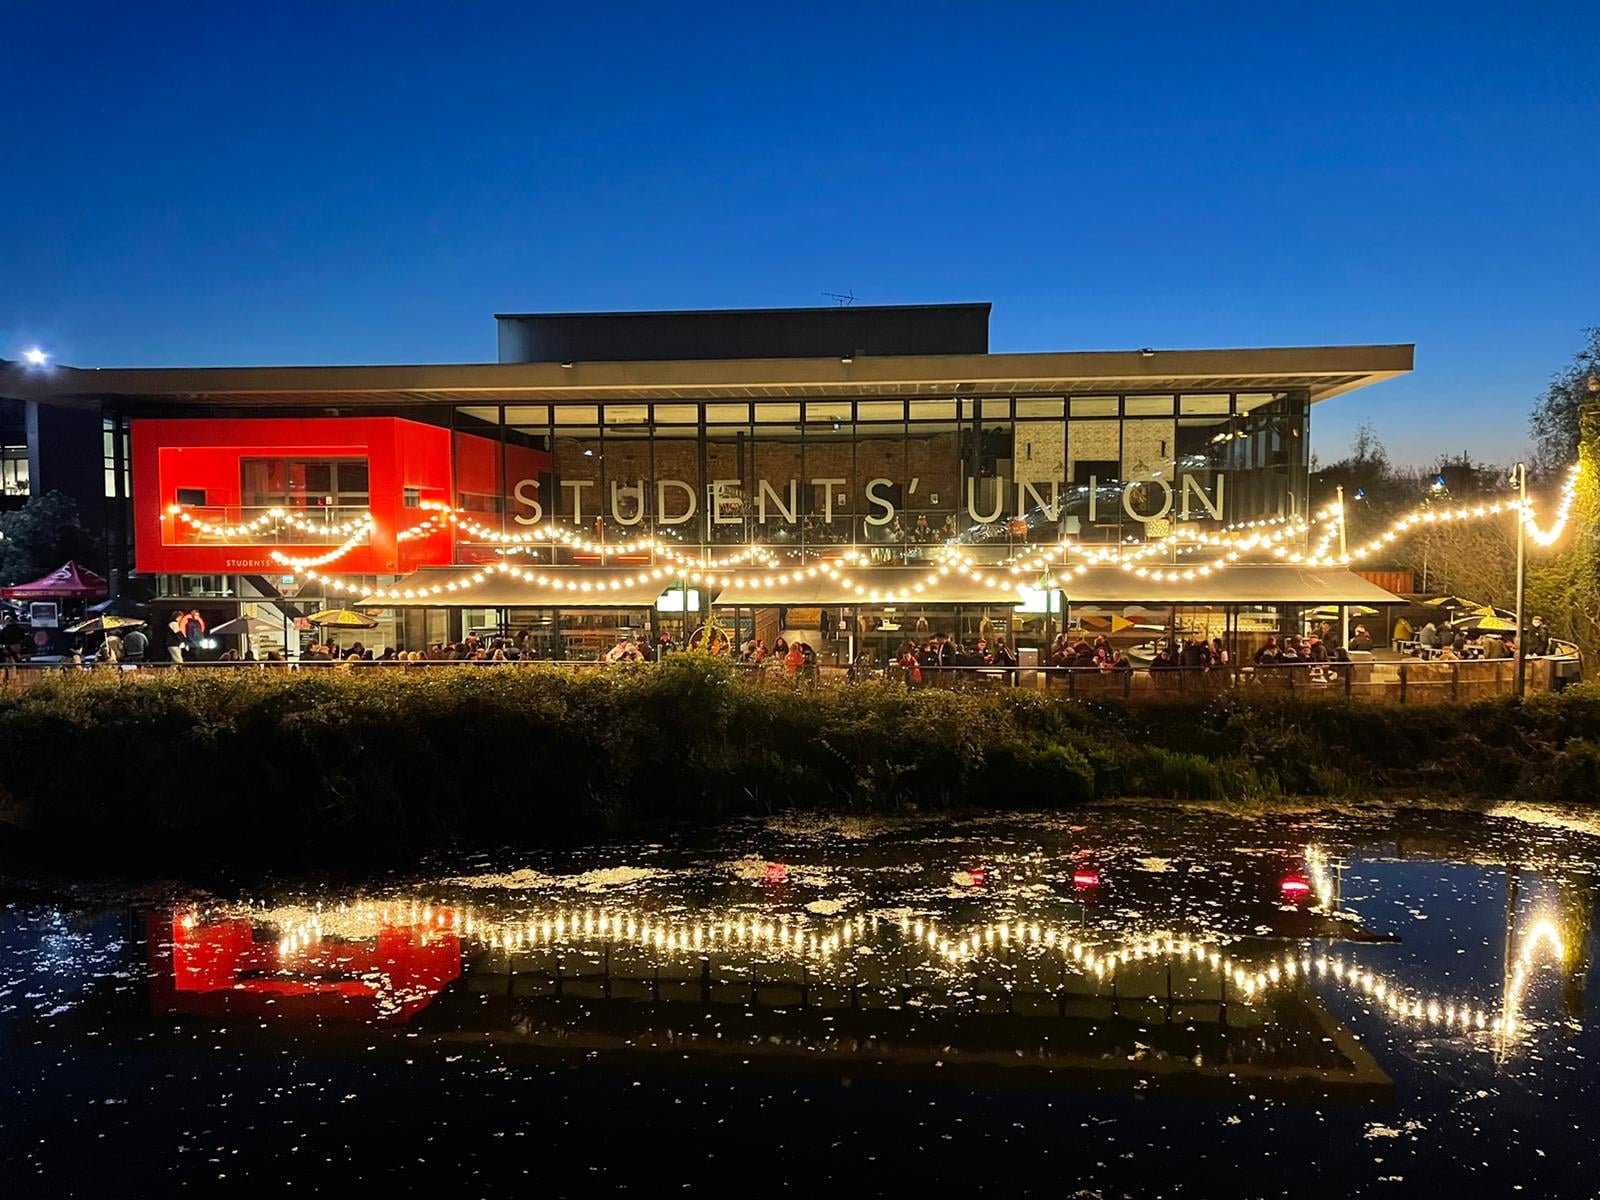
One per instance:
(1402,682)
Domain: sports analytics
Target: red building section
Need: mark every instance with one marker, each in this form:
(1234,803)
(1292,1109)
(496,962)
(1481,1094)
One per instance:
(323,472)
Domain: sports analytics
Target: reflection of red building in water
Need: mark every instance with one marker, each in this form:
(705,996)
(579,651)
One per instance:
(230,967)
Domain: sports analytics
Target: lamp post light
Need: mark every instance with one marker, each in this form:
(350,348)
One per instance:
(1519,476)
(1344,555)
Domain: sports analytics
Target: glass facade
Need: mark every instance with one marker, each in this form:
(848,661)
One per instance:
(896,476)
(890,479)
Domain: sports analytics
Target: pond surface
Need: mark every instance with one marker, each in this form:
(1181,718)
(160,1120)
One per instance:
(1129,1001)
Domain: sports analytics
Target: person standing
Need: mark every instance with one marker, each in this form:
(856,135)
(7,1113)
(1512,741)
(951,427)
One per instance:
(136,646)
(176,645)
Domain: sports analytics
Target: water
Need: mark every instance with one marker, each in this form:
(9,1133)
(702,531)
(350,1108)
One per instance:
(1132,1001)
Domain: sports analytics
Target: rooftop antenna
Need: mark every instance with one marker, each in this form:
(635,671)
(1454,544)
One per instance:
(845,299)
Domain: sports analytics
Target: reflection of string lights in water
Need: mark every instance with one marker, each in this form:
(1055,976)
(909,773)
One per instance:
(1431,1009)
(1544,932)
(824,945)
(1321,883)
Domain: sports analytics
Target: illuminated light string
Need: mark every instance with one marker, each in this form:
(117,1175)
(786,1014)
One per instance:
(694,570)
(1266,534)
(1569,494)
(1426,515)
(301,928)
(273,516)
(357,538)
(552,534)
(713,575)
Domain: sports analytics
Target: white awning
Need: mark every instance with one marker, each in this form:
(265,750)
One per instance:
(865,585)
(1244,583)
(537,587)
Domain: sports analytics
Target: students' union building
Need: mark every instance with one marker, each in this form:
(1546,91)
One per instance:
(851,476)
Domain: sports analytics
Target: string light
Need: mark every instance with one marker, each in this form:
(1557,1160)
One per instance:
(1233,543)
(356,538)
(1569,493)
(301,928)
(1436,515)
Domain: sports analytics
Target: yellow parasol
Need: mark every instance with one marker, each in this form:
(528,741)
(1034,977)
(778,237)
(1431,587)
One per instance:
(105,624)
(342,618)
(1478,623)
(1330,612)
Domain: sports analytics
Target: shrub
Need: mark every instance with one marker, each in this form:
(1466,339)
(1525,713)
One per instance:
(279,759)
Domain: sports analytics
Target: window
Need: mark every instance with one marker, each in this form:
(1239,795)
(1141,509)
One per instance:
(411,497)
(1148,406)
(192,497)
(114,442)
(14,470)
(304,483)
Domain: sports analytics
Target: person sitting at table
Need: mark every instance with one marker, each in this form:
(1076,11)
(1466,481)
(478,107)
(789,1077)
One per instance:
(1361,639)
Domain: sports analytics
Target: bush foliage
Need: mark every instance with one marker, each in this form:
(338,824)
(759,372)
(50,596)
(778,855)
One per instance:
(288,758)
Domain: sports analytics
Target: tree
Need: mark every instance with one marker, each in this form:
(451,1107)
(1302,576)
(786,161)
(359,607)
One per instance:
(40,536)
(1365,470)
(1564,584)
(1555,422)
(1477,558)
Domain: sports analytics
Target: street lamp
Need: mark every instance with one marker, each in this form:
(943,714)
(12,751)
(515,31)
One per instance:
(1519,477)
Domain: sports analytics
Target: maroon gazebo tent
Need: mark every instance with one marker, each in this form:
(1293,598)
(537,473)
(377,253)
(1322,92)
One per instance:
(66,582)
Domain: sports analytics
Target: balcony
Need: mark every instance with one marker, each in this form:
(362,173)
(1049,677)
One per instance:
(213,525)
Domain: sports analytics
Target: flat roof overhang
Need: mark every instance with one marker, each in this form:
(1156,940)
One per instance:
(1324,371)
(1244,583)
(541,587)
(892,586)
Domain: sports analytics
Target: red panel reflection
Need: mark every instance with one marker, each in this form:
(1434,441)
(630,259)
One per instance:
(230,967)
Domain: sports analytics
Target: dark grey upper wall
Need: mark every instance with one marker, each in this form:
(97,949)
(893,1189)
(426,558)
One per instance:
(744,333)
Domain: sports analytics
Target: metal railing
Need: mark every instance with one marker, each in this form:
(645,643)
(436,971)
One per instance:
(311,526)
(1382,682)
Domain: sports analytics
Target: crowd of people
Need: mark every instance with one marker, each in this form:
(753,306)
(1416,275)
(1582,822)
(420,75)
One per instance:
(921,532)
(916,658)
(630,649)
(793,657)
(1098,655)
(1447,642)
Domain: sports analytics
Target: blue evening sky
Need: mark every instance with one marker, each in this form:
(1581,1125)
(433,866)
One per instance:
(297,182)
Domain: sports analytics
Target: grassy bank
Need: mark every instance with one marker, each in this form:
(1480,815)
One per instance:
(394,759)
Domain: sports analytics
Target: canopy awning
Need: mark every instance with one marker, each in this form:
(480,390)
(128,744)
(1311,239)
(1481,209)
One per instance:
(866,585)
(67,582)
(538,587)
(1245,583)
